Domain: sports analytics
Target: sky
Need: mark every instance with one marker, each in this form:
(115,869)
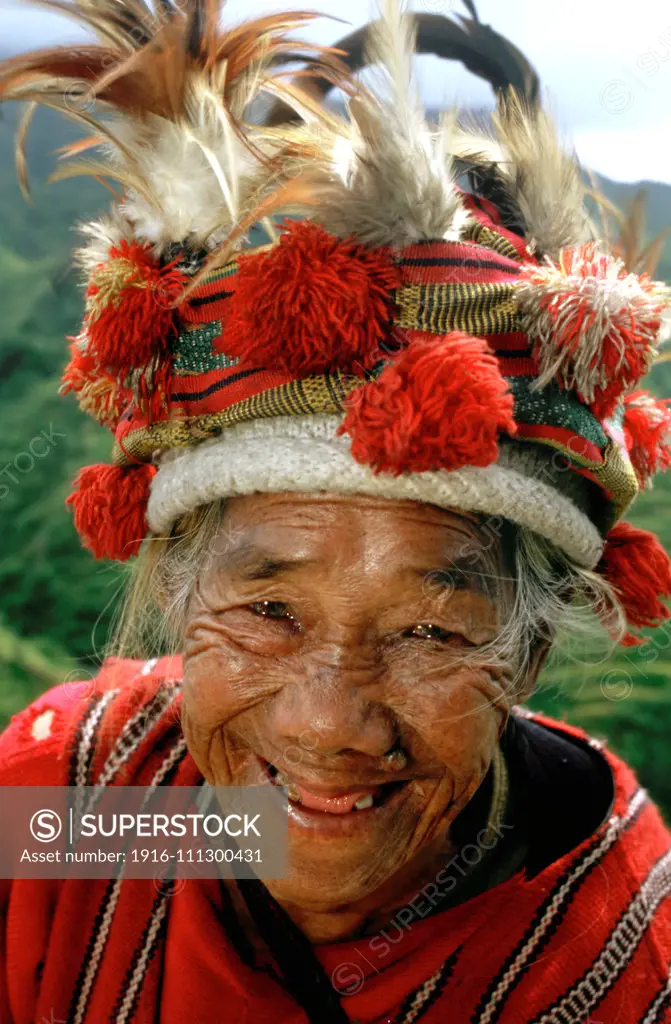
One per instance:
(605,65)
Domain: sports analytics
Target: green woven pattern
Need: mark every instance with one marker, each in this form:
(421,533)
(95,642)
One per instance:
(193,352)
(551,406)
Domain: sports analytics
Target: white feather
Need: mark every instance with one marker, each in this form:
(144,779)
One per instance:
(391,46)
(540,176)
(394,184)
(545,178)
(100,236)
(188,170)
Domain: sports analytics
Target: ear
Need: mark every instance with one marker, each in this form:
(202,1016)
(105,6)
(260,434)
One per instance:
(539,652)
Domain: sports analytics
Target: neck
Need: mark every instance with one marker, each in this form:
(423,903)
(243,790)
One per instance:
(370,914)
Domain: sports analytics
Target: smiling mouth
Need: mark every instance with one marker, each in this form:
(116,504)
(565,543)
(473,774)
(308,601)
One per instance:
(357,800)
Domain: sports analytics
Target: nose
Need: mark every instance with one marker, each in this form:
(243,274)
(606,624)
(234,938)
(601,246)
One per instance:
(333,707)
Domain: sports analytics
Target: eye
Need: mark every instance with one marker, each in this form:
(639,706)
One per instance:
(272,610)
(427,631)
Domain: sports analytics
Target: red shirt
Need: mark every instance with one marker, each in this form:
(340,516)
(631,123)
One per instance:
(586,939)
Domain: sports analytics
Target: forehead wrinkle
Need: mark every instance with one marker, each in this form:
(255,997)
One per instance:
(275,545)
(438,544)
(257,561)
(453,577)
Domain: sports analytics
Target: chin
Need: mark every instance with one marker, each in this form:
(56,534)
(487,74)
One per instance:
(339,860)
(333,875)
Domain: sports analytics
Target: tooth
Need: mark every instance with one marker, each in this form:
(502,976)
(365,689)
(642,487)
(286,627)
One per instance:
(281,779)
(364,802)
(293,792)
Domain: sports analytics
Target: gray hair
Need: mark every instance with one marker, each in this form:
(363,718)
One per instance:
(546,599)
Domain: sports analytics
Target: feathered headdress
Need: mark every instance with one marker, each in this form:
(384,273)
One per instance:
(396,334)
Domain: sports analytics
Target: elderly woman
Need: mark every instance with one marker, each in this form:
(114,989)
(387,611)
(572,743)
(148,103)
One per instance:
(372,468)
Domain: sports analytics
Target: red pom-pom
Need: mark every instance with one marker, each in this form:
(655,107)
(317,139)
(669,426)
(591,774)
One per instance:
(647,431)
(313,302)
(98,393)
(130,308)
(82,368)
(593,326)
(637,566)
(109,505)
(440,404)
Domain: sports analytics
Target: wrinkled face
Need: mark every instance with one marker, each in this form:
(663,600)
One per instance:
(325,633)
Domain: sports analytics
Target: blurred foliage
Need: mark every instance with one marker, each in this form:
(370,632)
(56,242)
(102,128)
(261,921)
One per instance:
(56,601)
(51,589)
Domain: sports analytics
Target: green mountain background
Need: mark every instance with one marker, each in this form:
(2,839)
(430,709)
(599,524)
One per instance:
(56,601)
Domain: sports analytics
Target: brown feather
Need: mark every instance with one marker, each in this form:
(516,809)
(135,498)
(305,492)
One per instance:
(21,134)
(150,78)
(630,242)
(637,257)
(80,146)
(106,184)
(652,253)
(180,88)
